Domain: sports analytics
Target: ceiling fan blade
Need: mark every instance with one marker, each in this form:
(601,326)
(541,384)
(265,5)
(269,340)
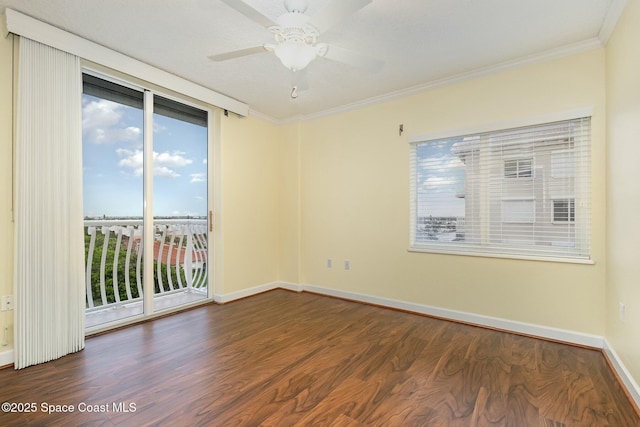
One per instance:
(355,59)
(250,12)
(237,53)
(335,12)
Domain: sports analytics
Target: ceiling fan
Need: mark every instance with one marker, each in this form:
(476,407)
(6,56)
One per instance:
(296,34)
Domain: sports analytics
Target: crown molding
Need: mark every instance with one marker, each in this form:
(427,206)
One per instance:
(556,53)
(260,115)
(611,20)
(548,55)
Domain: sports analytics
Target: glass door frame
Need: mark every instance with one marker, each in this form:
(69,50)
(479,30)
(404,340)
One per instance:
(213,149)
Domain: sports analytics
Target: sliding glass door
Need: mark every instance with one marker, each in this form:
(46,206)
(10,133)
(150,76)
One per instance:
(179,203)
(145,163)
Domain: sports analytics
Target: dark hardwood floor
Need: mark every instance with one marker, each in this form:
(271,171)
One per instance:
(284,359)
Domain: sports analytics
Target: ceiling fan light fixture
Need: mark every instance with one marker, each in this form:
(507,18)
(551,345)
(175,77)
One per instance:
(296,5)
(296,34)
(295,55)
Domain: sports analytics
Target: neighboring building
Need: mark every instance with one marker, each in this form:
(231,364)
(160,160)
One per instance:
(526,184)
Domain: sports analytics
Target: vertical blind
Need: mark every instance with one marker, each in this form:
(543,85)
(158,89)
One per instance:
(523,191)
(49,247)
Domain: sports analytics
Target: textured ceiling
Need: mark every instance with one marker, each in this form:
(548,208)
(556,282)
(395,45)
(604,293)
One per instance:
(420,41)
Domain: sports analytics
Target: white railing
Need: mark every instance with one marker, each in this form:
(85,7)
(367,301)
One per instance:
(114,261)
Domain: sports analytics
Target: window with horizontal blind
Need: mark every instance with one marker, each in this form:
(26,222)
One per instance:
(522,192)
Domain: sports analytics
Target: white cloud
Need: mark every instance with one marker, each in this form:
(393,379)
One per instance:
(440,164)
(131,159)
(102,123)
(438,182)
(101,113)
(164,172)
(442,184)
(174,159)
(198,177)
(130,133)
(204,161)
(163,163)
(440,144)
(455,163)
(158,128)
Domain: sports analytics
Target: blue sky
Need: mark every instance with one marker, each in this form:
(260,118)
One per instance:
(112,162)
(440,176)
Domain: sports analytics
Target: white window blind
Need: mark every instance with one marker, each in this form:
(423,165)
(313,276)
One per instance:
(522,192)
(519,211)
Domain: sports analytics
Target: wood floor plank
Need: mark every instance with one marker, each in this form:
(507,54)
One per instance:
(344,421)
(289,359)
(568,393)
(350,399)
(522,398)
(446,389)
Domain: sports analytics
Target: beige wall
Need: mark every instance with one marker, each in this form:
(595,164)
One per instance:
(623,186)
(6,223)
(289,203)
(355,200)
(249,202)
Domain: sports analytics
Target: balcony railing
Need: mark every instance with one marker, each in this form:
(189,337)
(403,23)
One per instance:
(114,260)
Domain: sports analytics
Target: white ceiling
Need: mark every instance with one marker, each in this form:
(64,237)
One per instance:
(420,41)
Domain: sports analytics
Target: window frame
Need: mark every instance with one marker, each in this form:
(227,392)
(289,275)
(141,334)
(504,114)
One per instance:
(518,170)
(150,92)
(571,213)
(581,146)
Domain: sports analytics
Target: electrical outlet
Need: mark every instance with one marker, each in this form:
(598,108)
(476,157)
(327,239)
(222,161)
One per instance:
(622,311)
(329,263)
(6,303)
(347,265)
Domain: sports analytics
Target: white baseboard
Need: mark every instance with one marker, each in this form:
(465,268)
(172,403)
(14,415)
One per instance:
(291,286)
(476,319)
(629,383)
(6,358)
(223,298)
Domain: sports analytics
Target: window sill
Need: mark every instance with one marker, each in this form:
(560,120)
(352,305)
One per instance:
(518,178)
(499,255)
